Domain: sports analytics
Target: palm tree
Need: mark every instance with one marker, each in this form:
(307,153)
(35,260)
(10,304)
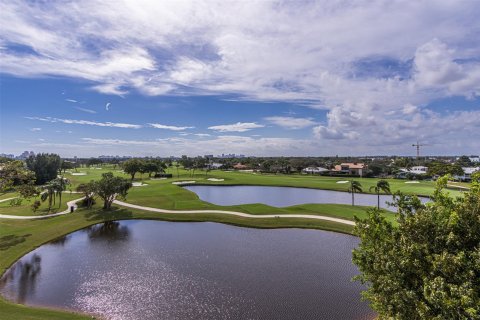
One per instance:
(382,185)
(355,186)
(61,185)
(49,193)
(177,165)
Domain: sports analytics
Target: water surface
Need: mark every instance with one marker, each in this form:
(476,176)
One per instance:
(162,270)
(284,196)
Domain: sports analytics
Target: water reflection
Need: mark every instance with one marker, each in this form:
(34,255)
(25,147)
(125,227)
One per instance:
(26,273)
(60,241)
(192,271)
(110,230)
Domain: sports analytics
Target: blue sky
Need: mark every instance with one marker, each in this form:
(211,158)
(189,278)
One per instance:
(145,78)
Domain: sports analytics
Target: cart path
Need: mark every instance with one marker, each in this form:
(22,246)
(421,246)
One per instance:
(150,209)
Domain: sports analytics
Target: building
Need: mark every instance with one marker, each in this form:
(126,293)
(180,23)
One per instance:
(351,168)
(314,170)
(416,170)
(25,155)
(240,166)
(467,173)
(475,159)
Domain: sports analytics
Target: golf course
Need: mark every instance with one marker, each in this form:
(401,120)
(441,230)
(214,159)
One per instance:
(164,197)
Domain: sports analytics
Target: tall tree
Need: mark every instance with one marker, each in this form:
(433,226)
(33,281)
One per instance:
(381,186)
(132,166)
(427,266)
(49,192)
(45,165)
(353,187)
(14,174)
(464,161)
(110,187)
(61,184)
(88,190)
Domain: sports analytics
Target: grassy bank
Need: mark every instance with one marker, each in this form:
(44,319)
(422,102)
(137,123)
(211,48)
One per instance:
(18,237)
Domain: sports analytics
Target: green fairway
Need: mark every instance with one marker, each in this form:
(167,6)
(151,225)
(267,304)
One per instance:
(18,237)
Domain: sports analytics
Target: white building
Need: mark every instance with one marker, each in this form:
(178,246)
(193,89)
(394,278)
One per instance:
(416,170)
(467,173)
(475,159)
(313,170)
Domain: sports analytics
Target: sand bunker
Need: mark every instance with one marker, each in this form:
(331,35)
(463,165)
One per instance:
(342,181)
(139,184)
(412,182)
(78,173)
(183,182)
(215,179)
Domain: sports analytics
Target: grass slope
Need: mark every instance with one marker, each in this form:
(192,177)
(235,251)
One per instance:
(18,237)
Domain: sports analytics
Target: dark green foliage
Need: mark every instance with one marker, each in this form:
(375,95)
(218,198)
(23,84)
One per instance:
(427,267)
(45,165)
(443,168)
(111,186)
(381,186)
(132,166)
(88,190)
(13,174)
(464,161)
(354,186)
(35,205)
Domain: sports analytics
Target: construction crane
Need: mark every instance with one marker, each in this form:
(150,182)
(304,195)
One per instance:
(418,145)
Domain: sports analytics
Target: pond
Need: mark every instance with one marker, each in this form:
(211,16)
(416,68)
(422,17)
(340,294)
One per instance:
(142,269)
(284,196)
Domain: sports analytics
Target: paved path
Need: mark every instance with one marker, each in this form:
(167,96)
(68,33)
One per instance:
(69,204)
(235,213)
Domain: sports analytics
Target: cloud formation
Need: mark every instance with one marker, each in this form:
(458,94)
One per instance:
(291,122)
(87,122)
(360,61)
(173,128)
(236,127)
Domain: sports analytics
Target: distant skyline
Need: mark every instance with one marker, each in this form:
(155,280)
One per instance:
(260,78)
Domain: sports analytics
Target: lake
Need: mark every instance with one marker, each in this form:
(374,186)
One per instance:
(141,269)
(284,196)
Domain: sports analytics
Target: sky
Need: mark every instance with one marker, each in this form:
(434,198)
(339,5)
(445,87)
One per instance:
(261,78)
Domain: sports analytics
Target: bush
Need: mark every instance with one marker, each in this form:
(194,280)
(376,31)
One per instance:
(36,205)
(163,175)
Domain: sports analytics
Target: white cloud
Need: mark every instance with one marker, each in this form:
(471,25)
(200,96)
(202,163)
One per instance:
(35,129)
(173,128)
(236,127)
(71,100)
(215,145)
(311,53)
(202,135)
(86,122)
(86,110)
(291,122)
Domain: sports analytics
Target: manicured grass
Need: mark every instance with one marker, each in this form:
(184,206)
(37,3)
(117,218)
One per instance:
(25,208)
(18,237)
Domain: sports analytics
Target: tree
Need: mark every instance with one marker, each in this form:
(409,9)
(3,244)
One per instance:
(381,186)
(109,187)
(60,186)
(177,165)
(45,165)
(464,161)
(442,168)
(49,191)
(66,165)
(427,266)
(14,174)
(88,190)
(132,166)
(354,186)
